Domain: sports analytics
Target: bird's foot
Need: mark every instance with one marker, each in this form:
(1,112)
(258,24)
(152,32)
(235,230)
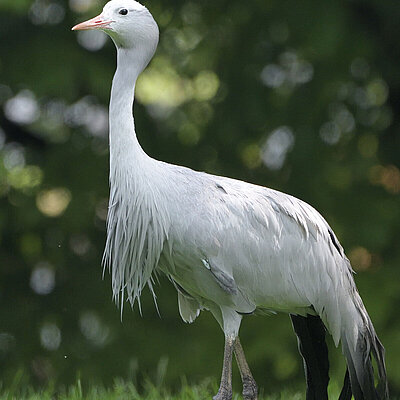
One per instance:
(249,388)
(223,394)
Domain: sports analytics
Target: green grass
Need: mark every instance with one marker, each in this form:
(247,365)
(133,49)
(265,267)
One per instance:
(127,391)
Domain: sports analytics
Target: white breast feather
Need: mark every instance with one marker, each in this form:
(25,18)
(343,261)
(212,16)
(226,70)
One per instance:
(137,229)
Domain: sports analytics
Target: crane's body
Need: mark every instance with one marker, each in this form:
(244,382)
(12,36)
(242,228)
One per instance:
(228,246)
(243,239)
(227,243)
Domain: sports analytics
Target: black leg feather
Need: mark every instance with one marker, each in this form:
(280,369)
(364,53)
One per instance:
(310,333)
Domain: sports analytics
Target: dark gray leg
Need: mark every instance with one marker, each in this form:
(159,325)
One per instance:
(225,388)
(249,384)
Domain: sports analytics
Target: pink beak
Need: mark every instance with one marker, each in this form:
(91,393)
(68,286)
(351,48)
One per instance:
(94,23)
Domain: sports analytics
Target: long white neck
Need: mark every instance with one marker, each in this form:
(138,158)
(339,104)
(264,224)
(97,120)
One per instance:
(137,224)
(125,150)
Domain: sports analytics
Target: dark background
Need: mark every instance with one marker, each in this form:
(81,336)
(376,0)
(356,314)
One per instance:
(303,97)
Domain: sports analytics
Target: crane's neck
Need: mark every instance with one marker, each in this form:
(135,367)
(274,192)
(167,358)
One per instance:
(137,222)
(125,150)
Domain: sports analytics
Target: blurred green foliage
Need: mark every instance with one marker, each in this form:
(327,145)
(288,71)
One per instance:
(302,96)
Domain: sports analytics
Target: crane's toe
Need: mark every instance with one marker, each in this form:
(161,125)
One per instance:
(250,389)
(223,394)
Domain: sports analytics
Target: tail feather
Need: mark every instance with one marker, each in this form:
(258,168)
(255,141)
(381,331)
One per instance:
(379,353)
(346,393)
(352,367)
(359,346)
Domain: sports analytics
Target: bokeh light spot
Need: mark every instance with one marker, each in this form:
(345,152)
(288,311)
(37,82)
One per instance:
(46,12)
(273,75)
(102,209)
(22,108)
(50,336)
(251,156)
(25,178)
(377,92)
(14,156)
(191,13)
(80,244)
(93,329)
(388,177)
(43,278)
(205,85)
(81,6)
(330,132)
(53,202)
(360,258)
(276,147)
(160,84)
(92,40)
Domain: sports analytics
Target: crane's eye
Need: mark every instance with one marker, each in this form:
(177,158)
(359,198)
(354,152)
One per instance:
(124,11)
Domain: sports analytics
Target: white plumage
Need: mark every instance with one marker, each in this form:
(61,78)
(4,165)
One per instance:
(228,246)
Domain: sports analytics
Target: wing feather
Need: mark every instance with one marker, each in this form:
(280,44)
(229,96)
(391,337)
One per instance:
(189,308)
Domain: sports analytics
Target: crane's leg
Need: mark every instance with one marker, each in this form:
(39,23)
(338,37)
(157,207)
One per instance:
(249,384)
(225,388)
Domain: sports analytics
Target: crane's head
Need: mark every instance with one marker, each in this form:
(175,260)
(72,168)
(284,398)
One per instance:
(129,23)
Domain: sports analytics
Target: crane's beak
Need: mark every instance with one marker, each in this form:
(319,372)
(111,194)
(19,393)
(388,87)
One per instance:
(94,23)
